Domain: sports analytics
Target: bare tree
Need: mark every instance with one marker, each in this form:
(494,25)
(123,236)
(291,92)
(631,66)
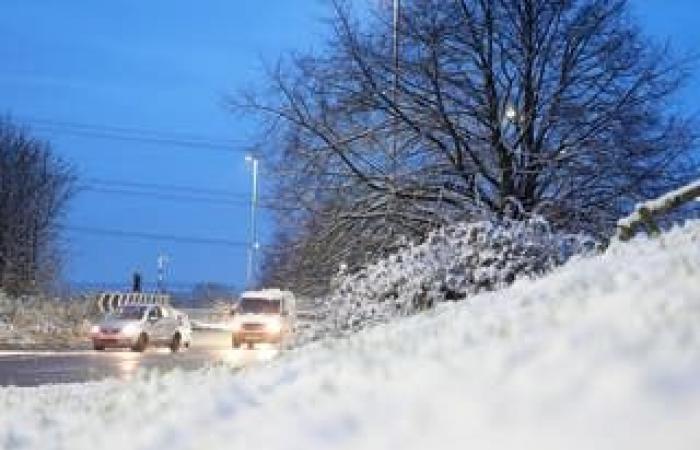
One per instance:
(35,187)
(511,107)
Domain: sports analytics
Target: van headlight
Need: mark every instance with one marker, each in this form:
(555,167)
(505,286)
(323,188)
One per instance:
(273,326)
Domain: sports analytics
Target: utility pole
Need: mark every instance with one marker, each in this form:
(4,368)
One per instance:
(254,245)
(162,262)
(391,202)
(397,18)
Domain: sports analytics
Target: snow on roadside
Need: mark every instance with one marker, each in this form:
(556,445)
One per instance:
(454,262)
(38,322)
(602,353)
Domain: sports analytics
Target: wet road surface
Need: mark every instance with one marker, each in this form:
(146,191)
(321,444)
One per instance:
(33,368)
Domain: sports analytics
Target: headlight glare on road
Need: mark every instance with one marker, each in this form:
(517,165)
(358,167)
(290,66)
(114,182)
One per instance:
(273,326)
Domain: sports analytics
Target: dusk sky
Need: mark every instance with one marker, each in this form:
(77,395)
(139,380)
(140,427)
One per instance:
(167,65)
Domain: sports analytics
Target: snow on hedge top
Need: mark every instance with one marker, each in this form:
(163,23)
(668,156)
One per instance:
(454,262)
(603,353)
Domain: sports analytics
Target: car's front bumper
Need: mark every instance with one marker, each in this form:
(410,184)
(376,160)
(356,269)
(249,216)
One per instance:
(113,340)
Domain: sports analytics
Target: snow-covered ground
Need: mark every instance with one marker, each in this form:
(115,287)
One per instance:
(455,261)
(602,353)
(36,322)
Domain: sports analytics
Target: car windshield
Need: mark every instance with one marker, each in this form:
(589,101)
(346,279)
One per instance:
(258,306)
(130,313)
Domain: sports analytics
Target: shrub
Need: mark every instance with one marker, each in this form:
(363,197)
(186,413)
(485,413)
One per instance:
(453,263)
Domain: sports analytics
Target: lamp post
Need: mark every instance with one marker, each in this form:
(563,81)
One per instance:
(394,143)
(254,246)
(391,201)
(162,262)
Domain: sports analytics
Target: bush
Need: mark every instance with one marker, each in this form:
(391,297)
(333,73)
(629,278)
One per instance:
(44,322)
(453,263)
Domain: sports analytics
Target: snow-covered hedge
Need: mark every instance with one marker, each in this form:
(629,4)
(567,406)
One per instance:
(35,321)
(453,263)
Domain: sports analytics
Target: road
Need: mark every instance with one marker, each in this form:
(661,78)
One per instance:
(33,368)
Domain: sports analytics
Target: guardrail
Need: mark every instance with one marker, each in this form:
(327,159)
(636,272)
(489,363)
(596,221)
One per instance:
(644,213)
(110,301)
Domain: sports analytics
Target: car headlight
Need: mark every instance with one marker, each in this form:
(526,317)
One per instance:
(95,329)
(130,329)
(274,326)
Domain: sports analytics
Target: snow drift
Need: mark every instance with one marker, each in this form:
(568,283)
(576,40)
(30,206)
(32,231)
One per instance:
(602,353)
(40,322)
(453,263)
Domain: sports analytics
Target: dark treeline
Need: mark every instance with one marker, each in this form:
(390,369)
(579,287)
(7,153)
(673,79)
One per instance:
(35,186)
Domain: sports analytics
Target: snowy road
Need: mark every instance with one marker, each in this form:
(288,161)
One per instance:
(34,368)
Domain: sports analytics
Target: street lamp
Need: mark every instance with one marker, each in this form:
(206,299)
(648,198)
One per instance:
(254,245)
(162,262)
(511,113)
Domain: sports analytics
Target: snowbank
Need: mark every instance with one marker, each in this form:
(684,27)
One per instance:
(602,353)
(38,322)
(453,263)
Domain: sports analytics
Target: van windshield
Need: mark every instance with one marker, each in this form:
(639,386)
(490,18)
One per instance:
(258,306)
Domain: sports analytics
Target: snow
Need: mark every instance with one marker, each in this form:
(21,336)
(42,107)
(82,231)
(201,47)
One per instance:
(39,322)
(669,200)
(602,353)
(454,262)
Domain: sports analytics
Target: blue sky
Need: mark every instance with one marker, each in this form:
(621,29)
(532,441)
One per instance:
(163,65)
(167,65)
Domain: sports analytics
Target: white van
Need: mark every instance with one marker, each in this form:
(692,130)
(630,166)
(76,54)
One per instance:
(267,315)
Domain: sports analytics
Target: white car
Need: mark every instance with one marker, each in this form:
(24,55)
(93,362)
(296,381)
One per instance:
(140,326)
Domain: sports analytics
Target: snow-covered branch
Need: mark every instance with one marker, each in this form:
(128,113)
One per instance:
(645,212)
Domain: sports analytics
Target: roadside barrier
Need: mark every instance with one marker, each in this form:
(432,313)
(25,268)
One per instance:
(110,301)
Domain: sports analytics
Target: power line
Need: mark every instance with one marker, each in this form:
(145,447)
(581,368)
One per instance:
(120,133)
(176,197)
(139,133)
(165,187)
(165,196)
(142,139)
(156,236)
